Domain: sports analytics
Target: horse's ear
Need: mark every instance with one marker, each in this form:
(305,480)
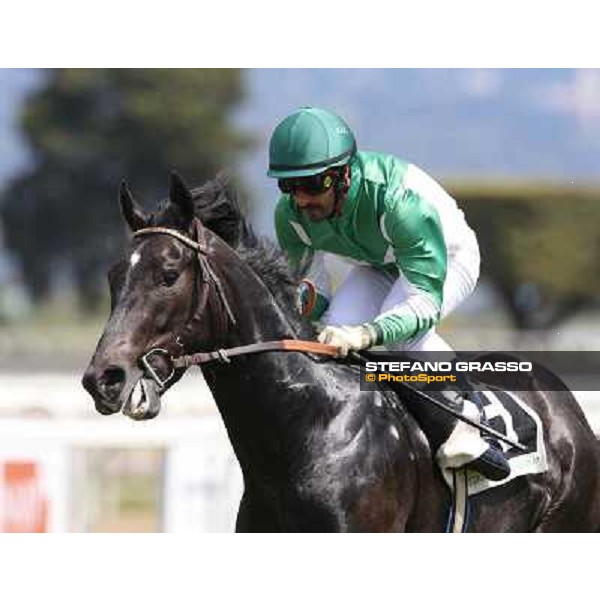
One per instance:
(181,197)
(132,213)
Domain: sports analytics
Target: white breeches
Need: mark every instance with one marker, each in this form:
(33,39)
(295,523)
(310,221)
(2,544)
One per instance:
(367,292)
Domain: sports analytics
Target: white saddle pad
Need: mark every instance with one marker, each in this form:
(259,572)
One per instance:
(508,415)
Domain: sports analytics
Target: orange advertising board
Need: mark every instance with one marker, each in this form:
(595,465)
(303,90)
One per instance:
(25,501)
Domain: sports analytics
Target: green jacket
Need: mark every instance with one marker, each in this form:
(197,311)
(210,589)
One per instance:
(385,224)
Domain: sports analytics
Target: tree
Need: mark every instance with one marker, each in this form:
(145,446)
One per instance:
(540,247)
(89,129)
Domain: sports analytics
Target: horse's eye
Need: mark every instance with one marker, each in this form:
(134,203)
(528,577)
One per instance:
(170,277)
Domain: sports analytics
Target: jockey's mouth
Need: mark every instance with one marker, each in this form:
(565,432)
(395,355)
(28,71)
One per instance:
(315,212)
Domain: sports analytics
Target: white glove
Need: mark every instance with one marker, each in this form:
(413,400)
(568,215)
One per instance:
(348,338)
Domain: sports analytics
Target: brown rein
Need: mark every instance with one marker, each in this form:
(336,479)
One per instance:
(224,354)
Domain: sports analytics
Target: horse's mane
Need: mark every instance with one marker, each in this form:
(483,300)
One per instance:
(217,206)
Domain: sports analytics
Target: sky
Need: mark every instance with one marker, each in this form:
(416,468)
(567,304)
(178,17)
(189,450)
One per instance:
(475,123)
(481,123)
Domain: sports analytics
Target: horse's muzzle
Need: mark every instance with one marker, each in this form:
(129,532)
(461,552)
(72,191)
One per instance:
(106,387)
(114,389)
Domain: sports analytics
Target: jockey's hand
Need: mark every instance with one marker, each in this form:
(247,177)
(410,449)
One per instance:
(348,338)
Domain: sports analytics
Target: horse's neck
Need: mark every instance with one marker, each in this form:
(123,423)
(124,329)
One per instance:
(275,405)
(267,402)
(258,315)
(255,393)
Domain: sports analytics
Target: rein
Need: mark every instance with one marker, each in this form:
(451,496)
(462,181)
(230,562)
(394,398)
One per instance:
(225,354)
(208,276)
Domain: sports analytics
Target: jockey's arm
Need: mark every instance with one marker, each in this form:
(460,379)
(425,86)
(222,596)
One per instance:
(412,227)
(304,259)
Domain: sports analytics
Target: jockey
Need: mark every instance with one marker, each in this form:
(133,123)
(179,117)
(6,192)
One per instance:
(416,258)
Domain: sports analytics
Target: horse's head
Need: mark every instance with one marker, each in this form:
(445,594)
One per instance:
(155,293)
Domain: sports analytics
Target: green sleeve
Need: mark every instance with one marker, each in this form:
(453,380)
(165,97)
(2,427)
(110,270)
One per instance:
(412,227)
(299,254)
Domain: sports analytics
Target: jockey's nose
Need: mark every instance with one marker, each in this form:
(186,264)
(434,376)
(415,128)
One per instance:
(302,199)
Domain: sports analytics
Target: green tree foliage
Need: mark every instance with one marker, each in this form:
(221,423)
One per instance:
(90,128)
(540,247)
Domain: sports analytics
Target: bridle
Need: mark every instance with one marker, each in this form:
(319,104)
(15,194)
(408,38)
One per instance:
(222,312)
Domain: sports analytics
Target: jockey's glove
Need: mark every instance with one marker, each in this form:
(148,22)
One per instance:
(348,337)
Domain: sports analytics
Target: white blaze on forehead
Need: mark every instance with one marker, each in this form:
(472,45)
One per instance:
(135,257)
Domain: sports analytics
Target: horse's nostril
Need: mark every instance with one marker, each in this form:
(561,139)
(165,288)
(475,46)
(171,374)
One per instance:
(105,386)
(113,377)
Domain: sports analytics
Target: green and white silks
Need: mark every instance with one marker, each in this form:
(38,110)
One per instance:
(400,223)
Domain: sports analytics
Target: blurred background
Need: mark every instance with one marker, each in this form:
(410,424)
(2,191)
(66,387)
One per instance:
(519,149)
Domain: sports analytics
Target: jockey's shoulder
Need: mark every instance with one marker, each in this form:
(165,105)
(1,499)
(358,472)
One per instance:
(379,169)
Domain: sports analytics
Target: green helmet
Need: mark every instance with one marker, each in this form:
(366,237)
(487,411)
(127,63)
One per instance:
(309,141)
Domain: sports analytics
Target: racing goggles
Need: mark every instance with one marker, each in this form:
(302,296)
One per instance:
(312,185)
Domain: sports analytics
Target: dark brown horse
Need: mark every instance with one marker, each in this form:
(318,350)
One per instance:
(316,453)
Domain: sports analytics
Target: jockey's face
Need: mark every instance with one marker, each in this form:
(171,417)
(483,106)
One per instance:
(314,194)
(316,208)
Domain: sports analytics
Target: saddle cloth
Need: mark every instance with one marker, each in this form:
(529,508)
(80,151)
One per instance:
(508,415)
